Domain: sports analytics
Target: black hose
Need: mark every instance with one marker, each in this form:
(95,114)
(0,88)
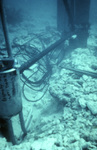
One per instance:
(30,100)
(40,85)
(35,82)
(36,86)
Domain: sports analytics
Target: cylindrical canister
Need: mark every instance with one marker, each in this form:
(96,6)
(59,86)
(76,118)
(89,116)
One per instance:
(10,93)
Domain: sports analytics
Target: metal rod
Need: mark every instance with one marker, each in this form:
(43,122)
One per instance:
(10,131)
(5,30)
(43,53)
(82,72)
(22,123)
(29,119)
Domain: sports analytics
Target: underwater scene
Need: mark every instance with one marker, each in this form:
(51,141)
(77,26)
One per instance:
(48,75)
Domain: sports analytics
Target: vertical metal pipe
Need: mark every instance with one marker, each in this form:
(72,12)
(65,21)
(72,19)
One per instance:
(72,2)
(10,131)
(5,30)
(61,16)
(67,7)
(22,123)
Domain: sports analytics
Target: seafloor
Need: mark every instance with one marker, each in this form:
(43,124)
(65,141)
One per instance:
(65,118)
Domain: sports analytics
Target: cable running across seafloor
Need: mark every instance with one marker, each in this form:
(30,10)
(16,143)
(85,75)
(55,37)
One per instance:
(41,85)
(44,69)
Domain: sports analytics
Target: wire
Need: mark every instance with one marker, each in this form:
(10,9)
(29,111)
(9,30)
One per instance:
(30,100)
(44,88)
(41,84)
(44,69)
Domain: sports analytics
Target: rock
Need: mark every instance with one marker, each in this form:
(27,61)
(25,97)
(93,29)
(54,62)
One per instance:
(85,77)
(45,144)
(92,106)
(82,103)
(3,144)
(24,146)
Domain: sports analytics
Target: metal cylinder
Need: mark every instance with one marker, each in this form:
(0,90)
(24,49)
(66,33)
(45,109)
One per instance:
(10,93)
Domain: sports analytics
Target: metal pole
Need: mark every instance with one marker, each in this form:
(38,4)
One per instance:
(43,53)
(67,7)
(5,30)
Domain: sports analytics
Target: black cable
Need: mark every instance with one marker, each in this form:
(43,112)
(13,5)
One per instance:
(44,67)
(30,100)
(42,84)
(44,87)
